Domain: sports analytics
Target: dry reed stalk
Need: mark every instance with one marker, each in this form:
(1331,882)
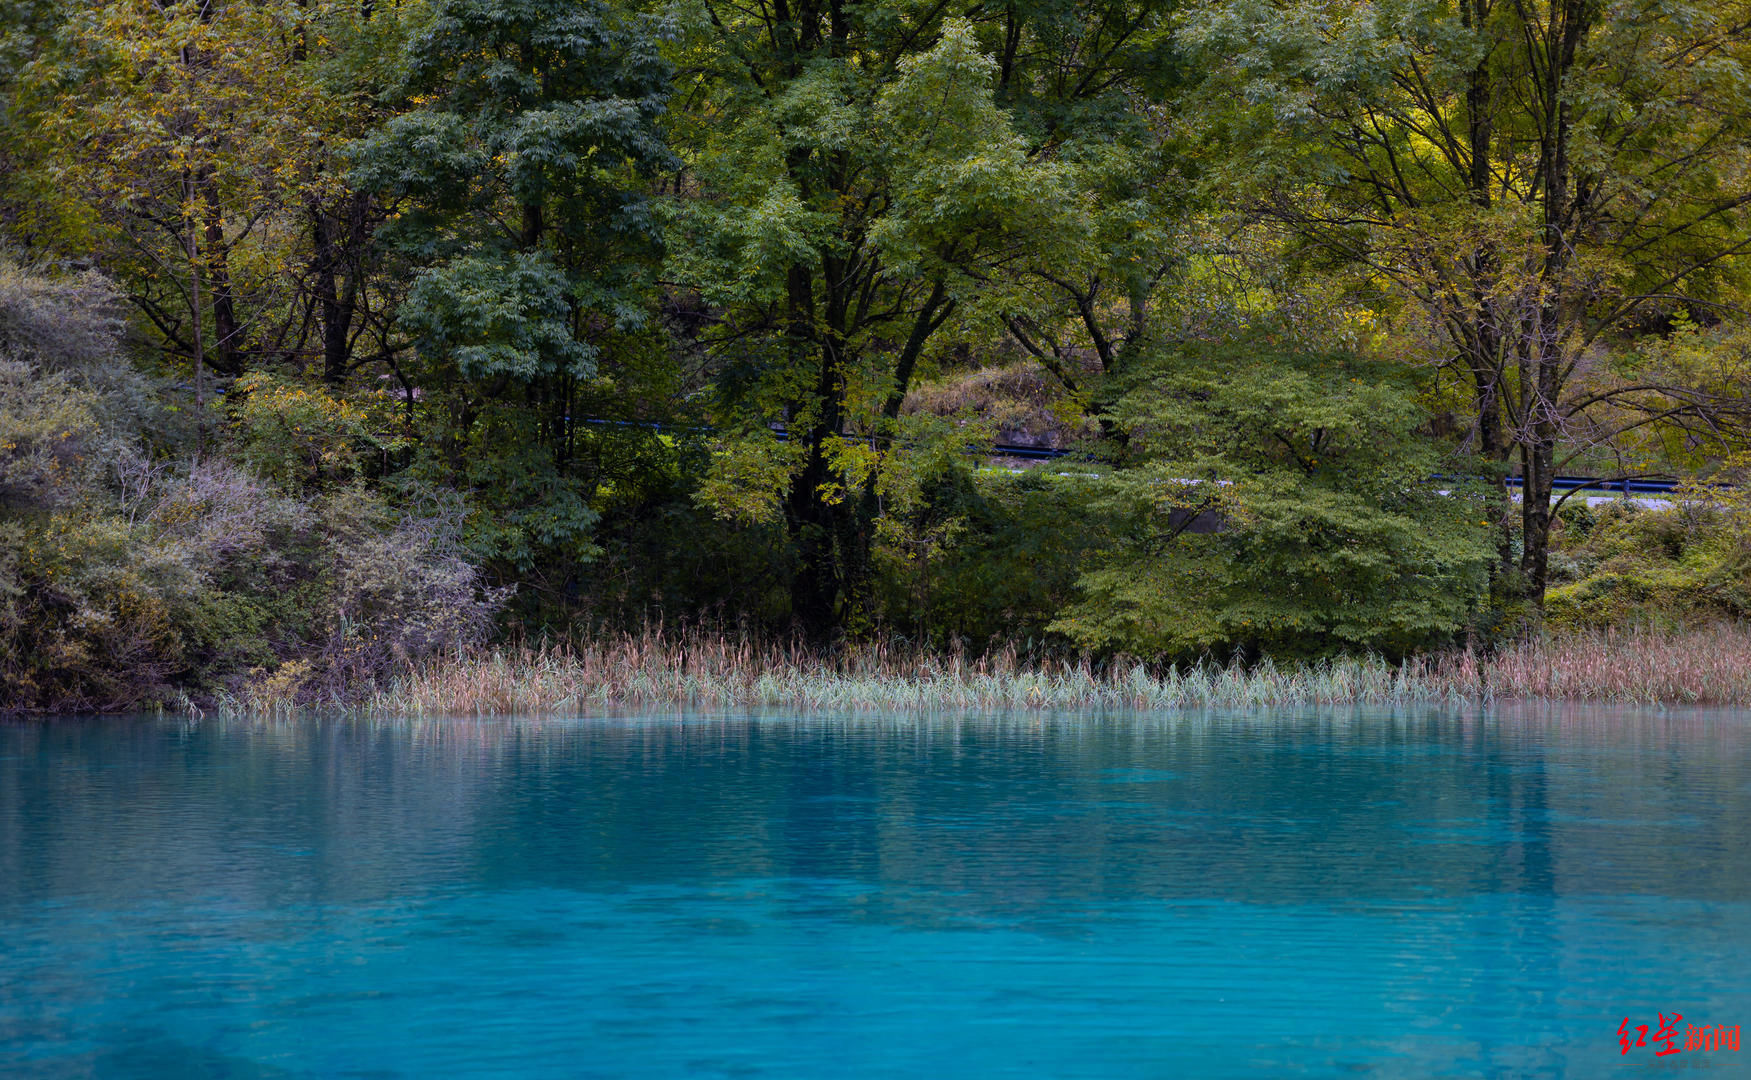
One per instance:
(660,668)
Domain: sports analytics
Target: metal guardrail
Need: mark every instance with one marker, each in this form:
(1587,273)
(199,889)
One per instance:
(1605,487)
(1636,486)
(1562,484)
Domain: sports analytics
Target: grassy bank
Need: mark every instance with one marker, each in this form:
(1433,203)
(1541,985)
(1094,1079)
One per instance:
(1710,666)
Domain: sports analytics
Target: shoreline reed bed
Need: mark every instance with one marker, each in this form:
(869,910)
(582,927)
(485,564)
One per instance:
(1710,666)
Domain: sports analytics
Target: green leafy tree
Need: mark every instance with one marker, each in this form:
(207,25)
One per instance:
(177,141)
(190,149)
(513,182)
(860,179)
(1277,504)
(1521,186)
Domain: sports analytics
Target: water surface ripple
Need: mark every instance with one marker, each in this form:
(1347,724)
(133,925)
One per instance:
(1385,894)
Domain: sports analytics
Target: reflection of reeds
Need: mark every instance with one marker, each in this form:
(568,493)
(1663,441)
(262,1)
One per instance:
(655,669)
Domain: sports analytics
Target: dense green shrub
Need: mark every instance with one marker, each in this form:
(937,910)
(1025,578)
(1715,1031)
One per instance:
(1624,564)
(1277,503)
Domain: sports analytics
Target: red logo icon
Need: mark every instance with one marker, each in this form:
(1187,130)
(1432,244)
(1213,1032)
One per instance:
(1666,1035)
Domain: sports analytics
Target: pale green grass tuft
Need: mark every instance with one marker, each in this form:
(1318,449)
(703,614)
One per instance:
(699,670)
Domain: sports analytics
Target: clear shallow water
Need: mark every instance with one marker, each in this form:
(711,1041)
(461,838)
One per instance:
(1411,894)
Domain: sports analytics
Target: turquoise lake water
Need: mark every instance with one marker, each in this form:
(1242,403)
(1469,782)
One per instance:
(1381,894)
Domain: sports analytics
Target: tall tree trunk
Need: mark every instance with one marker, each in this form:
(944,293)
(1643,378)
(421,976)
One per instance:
(1543,345)
(937,307)
(832,539)
(328,306)
(194,295)
(1485,338)
(337,289)
(814,591)
(1536,455)
(1494,448)
(227,333)
(530,233)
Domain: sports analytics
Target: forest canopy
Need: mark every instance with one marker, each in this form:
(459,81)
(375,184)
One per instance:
(338,334)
